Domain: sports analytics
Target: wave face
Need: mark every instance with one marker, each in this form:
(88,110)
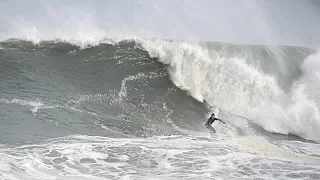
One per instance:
(118,89)
(140,106)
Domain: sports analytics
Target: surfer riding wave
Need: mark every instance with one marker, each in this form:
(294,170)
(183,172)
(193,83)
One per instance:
(210,121)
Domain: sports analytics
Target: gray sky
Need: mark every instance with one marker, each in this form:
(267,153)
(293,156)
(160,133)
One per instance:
(286,22)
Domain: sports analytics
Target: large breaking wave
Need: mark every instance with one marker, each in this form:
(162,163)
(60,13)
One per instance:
(273,86)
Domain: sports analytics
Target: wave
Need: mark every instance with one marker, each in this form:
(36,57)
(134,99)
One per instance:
(273,86)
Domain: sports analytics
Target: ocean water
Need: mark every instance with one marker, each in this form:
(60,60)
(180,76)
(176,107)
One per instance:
(135,108)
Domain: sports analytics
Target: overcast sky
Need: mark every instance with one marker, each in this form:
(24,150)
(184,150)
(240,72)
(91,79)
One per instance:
(286,22)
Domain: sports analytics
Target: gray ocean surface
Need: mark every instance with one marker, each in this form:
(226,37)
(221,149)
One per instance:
(124,110)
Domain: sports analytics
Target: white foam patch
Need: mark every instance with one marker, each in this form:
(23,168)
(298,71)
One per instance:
(36,105)
(167,157)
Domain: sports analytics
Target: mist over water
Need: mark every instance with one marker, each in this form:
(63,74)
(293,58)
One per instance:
(249,22)
(122,89)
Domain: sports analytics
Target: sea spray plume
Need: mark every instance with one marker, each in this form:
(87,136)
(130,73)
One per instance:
(296,112)
(306,100)
(83,33)
(74,24)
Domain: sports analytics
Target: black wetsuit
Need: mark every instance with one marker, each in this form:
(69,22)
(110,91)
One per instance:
(209,122)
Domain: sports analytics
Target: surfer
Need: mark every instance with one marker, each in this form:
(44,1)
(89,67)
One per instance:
(210,121)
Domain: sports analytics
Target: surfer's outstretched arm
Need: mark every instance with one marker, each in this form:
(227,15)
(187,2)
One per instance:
(220,120)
